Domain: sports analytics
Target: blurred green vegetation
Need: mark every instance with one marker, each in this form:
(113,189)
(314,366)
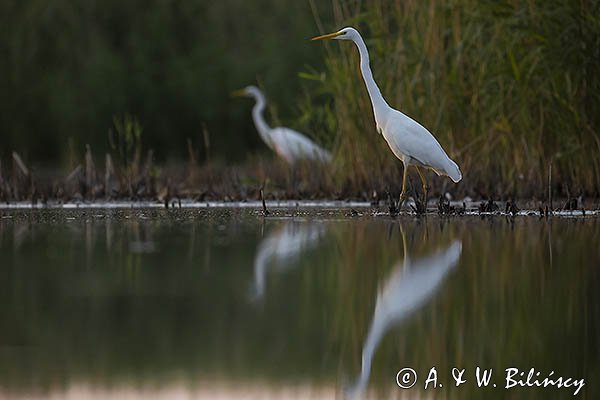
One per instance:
(507,87)
(66,68)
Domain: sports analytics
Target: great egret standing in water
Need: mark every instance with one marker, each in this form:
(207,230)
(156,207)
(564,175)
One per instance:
(290,145)
(409,140)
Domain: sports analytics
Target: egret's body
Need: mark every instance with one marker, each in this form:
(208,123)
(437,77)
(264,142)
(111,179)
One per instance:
(408,140)
(281,249)
(290,145)
(410,285)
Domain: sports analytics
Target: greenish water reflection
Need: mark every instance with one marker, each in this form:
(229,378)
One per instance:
(130,298)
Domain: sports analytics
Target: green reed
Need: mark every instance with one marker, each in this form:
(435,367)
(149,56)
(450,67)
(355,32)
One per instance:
(508,88)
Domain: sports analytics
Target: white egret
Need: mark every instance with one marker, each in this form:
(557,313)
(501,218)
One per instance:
(290,145)
(408,288)
(282,249)
(408,140)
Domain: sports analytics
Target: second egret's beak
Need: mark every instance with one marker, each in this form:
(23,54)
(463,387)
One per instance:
(328,36)
(238,93)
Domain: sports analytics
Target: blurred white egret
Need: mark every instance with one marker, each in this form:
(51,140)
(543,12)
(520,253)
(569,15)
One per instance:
(409,140)
(410,285)
(281,249)
(290,145)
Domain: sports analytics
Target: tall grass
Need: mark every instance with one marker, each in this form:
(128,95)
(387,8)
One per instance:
(508,88)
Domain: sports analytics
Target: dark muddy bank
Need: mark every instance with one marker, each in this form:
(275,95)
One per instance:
(141,180)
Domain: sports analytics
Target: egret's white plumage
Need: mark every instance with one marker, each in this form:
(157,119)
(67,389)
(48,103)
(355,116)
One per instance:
(281,249)
(408,288)
(290,145)
(408,140)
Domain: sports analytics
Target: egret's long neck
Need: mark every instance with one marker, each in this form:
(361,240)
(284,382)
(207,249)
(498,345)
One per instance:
(259,120)
(380,106)
(376,332)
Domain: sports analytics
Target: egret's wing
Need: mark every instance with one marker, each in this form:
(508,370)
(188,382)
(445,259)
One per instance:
(409,138)
(405,291)
(294,146)
(402,294)
(295,238)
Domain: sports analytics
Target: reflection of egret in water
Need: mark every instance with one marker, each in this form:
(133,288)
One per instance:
(281,249)
(412,282)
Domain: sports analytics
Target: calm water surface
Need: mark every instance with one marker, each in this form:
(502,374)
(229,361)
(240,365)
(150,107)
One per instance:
(304,304)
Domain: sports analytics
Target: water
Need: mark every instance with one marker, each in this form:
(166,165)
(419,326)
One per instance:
(204,303)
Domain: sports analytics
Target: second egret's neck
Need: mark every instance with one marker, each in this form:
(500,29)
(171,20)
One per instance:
(380,106)
(259,121)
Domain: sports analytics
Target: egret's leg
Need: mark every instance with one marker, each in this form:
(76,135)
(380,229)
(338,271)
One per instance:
(403,192)
(425,187)
(404,249)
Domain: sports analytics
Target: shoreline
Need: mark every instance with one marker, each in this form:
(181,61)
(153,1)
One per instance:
(350,207)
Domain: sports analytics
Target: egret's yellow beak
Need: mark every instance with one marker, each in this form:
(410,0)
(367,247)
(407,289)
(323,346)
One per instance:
(238,93)
(328,36)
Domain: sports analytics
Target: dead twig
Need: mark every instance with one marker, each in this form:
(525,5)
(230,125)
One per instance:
(511,208)
(392,205)
(264,205)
